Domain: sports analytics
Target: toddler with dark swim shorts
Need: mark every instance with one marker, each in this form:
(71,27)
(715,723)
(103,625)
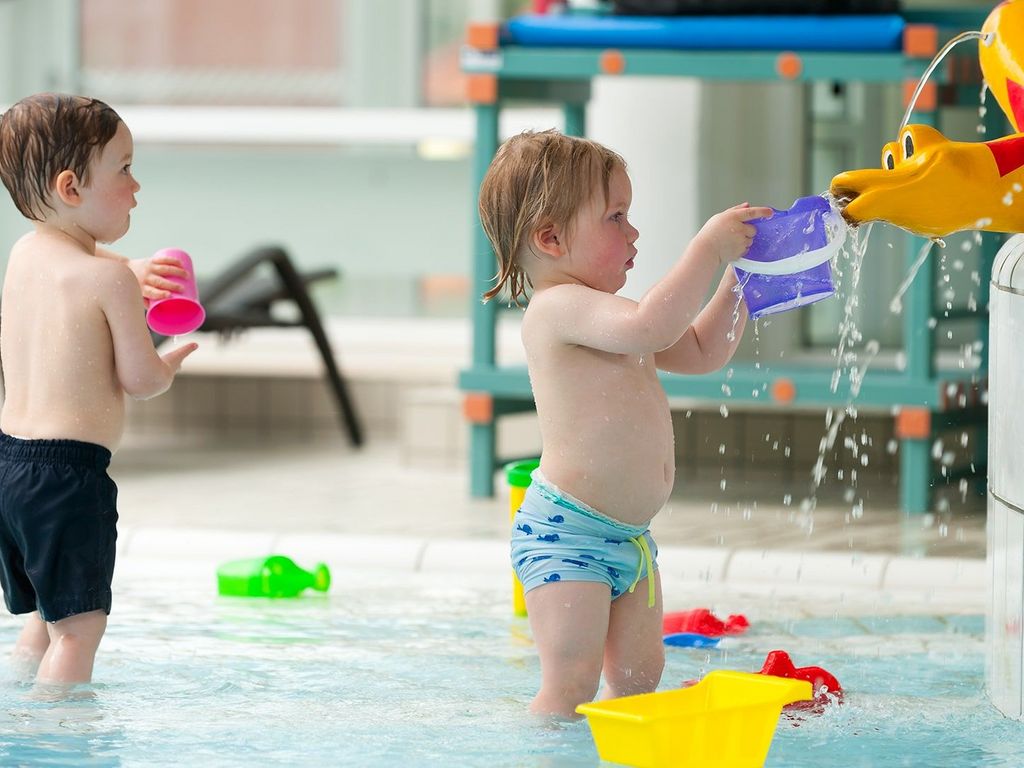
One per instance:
(555,209)
(73,341)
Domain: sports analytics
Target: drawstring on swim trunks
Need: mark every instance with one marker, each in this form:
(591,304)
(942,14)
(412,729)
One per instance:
(647,560)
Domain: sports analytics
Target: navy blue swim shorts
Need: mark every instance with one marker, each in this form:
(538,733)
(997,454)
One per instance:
(58,516)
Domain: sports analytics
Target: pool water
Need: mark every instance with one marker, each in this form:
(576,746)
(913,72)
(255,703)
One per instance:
(405,671)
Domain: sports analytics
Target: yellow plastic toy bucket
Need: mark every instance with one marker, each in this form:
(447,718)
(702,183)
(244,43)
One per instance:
(727,720)
(518,475)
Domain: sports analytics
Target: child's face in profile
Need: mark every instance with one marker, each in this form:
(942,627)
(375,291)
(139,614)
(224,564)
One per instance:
(110,195)
(601,247)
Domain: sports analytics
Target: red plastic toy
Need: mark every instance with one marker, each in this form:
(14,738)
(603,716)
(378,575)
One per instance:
(826,687)
(701,621)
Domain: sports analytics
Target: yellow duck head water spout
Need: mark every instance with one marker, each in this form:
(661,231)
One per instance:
(933,186)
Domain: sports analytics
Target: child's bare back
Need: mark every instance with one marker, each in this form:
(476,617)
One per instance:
(58,354)
(73,342)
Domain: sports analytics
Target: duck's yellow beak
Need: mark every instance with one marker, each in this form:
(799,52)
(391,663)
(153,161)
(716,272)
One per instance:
(930,186)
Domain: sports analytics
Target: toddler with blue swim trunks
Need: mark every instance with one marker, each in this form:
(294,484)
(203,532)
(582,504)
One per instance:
(73,341)
(555,209)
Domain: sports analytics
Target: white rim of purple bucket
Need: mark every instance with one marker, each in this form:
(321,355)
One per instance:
(799,262)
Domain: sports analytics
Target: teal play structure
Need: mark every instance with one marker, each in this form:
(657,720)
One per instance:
(513,61)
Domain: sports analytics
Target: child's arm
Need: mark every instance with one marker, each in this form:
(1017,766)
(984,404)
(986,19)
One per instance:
(577,314)
(711,341)
(151,273)
(140,370)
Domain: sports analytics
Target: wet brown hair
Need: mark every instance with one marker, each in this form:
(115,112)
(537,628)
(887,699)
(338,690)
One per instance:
(44,135)
(537,179)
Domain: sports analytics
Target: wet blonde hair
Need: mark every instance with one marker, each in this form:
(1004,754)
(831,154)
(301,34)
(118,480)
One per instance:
(537,179)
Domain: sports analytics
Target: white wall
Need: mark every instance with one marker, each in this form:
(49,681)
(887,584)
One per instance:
(695,148)
(653,124)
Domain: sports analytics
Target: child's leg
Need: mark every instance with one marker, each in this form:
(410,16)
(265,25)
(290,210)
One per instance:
(569,620)
(73,644)
(634,655)
(31,645)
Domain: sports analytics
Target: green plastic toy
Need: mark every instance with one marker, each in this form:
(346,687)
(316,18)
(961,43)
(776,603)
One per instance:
(274,576)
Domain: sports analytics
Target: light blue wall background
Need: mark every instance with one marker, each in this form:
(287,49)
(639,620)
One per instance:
(385,216)
(378,214)
(382,213)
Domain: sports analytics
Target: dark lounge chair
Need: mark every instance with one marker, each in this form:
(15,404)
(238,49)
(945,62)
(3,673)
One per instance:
(242,297)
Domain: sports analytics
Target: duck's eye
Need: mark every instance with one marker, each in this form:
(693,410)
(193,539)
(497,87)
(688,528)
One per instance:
(908,146)
(889,161)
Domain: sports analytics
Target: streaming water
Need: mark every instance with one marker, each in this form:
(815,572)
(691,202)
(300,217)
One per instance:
(849,262)
(738,291)
(982,109)
(896,304)
(847,268)
(987,39)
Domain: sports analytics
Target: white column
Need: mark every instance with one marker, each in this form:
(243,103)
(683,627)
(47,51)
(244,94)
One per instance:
(653,123)
(1004,657)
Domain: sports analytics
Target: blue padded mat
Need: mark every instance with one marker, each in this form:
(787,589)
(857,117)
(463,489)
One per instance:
(772,33)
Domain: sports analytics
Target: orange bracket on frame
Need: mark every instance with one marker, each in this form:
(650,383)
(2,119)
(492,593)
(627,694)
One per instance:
(920,40)
(482,35)
(927,100)
(914,424)
(783,391)
(478,408)
(612,62)
(482,89)
(789,65)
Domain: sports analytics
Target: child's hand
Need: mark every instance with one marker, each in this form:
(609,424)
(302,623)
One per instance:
(728,235)
(174,358)
(152,276)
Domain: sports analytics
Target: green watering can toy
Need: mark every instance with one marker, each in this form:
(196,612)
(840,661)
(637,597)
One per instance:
(274,576)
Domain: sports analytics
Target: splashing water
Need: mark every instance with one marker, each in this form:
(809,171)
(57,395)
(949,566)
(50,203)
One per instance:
(896,305)
(857,376)
(849,334)
(982,109)
(986,38)
(847,265)
(738,290)
(832,424)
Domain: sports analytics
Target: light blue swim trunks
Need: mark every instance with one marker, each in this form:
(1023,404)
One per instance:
(557,537)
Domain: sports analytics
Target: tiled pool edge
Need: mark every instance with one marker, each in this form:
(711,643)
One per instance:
(950,583)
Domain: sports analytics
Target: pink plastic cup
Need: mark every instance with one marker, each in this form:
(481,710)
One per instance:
(181,313)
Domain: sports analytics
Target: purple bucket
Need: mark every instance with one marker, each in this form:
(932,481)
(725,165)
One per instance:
(787,265)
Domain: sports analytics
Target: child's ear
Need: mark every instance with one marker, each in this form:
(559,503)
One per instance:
(549,240)
(67,188)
